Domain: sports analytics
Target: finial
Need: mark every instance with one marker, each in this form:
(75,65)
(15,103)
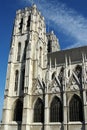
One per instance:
(34,6)
(52,32)
(42,17)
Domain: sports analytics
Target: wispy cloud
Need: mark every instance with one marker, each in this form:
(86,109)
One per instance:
(70,22)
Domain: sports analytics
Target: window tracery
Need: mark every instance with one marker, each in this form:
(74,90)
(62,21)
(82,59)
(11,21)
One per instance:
(56,112)
(75,109)
(38,111)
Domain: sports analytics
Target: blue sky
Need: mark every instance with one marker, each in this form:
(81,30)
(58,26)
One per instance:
(68,19)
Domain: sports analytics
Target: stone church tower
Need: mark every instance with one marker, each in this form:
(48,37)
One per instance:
(46,88)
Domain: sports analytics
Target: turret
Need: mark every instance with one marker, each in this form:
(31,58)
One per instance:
(53,42)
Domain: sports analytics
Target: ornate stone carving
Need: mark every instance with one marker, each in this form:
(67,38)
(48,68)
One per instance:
(37,87)
(54,87)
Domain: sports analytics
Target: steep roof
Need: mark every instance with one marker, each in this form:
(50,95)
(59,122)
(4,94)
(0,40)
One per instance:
(75,55)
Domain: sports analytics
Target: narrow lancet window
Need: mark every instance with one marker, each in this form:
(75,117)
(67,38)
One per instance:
(25,50)
(21,25)
(19,51)
(28,22)
(49,46)
(16,80)
(23,78)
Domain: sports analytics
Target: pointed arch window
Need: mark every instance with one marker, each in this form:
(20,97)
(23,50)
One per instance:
(21,25)
(75,109)
(16,80)
(18,111)
(23,78)
(25,50)
(49,46)
(19,51)
(56,110)
(28,22)
(38,111)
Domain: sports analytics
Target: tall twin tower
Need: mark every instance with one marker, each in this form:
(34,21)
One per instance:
(46,88)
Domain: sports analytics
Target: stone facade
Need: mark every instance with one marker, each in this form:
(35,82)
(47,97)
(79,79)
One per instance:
(46,88)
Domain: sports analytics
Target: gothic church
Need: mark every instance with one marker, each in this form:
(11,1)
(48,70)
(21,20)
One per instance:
(46,88)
